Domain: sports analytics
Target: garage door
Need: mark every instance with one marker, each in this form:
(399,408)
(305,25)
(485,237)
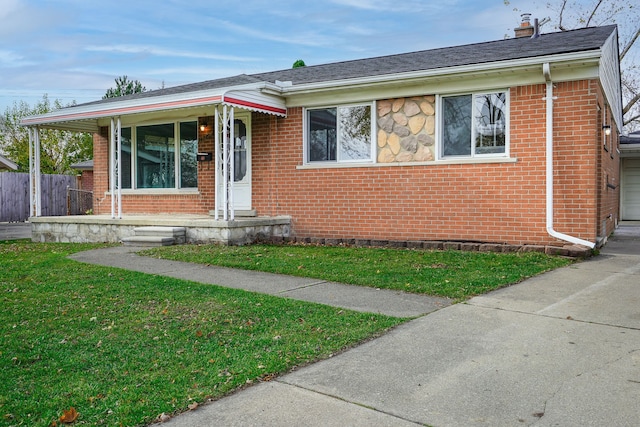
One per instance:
(631,189)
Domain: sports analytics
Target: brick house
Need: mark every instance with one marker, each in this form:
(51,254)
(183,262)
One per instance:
(511,141)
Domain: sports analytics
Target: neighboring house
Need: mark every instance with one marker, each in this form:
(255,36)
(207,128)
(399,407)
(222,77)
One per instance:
(7,165)
(499,142)
(85,180)
(630,176)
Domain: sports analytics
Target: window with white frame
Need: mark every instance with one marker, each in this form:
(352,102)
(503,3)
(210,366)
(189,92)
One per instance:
(339,134)
(160,156)
(474,125)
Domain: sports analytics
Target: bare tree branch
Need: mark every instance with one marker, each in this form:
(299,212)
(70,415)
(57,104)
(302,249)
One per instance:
(593,12)
(633,101)
(564,4)
(631,119)
(630,43)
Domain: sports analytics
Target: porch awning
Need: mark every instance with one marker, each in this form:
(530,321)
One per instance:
(84,118)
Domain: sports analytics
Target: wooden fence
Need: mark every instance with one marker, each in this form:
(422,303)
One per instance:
(14,195)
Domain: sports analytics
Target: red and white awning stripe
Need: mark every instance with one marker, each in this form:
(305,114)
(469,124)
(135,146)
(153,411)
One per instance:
(84,117)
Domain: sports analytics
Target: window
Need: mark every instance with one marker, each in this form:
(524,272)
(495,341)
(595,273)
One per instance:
(339,134)
(149,156)
(474,125)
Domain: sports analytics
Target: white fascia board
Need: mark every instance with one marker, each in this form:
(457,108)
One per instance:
(611,78)
(449,72)
(445,84)
(143,105)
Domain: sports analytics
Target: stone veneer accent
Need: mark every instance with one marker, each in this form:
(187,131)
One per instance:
(406,129)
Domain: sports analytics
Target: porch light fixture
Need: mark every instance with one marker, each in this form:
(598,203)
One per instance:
(203,127)
(607,129)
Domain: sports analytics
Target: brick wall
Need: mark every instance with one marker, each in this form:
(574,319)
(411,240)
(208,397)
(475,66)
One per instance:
(499,202)
(474,202)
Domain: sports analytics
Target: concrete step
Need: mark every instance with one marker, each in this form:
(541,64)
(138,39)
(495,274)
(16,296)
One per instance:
(148,241)
(179,234)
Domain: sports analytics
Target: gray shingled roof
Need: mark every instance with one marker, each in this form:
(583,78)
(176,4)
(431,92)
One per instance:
(580,40)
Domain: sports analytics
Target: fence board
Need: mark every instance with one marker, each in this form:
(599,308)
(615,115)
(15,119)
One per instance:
(14,195)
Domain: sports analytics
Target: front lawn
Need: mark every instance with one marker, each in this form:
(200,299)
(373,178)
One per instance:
(454,274)
(122,347)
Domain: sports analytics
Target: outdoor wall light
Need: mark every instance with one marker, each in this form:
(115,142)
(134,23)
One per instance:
(607,129)
(203,127)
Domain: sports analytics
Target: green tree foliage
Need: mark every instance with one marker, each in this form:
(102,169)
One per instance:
(299,63)
(58,149)
(124,86)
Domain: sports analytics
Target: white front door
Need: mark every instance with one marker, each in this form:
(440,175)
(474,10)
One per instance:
(241,163)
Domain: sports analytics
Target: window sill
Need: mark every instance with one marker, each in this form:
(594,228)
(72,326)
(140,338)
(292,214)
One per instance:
(404,164)
(158,191)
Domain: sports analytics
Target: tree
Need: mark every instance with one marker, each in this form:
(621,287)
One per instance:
(299,63)
(59,149)
(571,14)
(124,86)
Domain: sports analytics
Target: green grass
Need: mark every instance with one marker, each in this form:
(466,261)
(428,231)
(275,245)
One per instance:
(454,274)
(123,347)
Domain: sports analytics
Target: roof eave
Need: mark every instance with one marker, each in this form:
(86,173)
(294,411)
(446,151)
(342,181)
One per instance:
(85,117)
(482,68)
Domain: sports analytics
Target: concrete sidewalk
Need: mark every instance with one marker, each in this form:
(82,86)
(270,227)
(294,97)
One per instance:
(562,348)
(15,230)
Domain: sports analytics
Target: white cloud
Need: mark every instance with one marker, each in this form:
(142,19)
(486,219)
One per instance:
(151,50)
(414,6)
(303,38)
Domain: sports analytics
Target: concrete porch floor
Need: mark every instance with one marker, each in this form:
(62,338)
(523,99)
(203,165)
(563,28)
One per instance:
(199,228)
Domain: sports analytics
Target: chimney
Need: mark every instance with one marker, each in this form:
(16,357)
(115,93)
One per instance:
(525,29)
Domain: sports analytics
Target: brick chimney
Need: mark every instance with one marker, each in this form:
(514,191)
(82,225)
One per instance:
(525,29)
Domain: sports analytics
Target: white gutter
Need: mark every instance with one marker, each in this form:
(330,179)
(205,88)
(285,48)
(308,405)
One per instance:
(482,68)
(546,70)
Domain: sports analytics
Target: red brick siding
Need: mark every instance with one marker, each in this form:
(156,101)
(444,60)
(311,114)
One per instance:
(502,202)
(484,202)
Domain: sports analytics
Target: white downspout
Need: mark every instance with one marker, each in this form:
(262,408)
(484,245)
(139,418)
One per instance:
(546,70)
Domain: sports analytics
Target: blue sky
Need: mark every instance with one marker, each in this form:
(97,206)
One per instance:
(74,49)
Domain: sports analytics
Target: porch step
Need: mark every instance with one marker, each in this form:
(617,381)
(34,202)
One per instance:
(156,236)
(247,213)
(148,241)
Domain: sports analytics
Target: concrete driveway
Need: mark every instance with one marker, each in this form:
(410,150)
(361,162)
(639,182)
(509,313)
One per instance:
(560,349)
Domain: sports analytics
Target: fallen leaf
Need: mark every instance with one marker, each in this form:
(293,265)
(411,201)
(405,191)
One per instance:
(193,406)
(69,416)
(198,334)
(163,417)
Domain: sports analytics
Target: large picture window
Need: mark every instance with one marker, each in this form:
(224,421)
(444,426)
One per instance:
(474,125)
(160,156)
(339,134)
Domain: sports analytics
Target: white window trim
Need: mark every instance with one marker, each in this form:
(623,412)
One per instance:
(338,161)
(178,164)
(440,117)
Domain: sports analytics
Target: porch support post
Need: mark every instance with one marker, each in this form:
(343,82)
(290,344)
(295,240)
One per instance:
(119,165)
(232,151)
(112,167)
(225,164)
(216,142)
(35,195)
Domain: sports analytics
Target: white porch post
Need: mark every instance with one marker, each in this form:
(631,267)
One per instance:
(112,172)
(216,142)
(225,164)
(232,152)
(119,165)
(35,195)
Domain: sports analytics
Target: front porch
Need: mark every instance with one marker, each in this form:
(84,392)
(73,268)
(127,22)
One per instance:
(198,228)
